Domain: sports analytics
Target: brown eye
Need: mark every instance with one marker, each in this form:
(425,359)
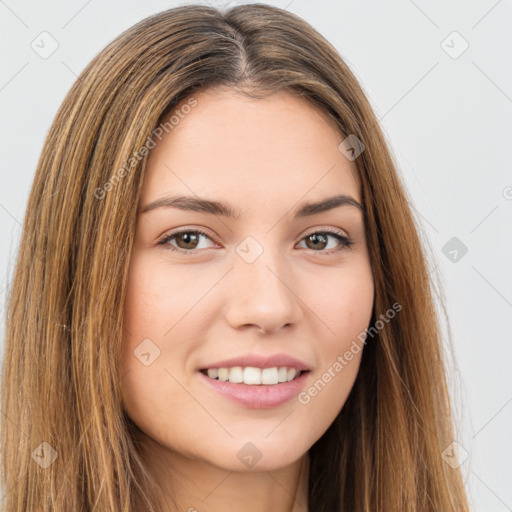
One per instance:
(319,240)
(185,240)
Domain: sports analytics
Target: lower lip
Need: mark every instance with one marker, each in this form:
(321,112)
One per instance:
(257,396)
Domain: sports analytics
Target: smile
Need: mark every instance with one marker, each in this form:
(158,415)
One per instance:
(263,389)
(253,376)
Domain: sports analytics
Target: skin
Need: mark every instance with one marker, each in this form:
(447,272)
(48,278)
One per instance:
(263,157)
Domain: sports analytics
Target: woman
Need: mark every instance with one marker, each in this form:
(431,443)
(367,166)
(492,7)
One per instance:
(221,301)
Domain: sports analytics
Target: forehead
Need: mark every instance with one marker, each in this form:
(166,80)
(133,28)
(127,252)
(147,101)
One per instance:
(279,148)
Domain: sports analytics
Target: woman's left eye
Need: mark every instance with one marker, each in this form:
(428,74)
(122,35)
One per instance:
(318,239)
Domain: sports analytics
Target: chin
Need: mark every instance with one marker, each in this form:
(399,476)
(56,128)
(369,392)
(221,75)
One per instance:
(253,454)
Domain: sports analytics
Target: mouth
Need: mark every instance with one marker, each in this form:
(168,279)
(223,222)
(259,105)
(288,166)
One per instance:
(253,387)
(254,376)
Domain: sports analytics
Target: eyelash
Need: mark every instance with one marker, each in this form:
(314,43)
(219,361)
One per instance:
(345,242)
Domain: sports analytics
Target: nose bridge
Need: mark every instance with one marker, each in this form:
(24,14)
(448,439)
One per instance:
(262,291)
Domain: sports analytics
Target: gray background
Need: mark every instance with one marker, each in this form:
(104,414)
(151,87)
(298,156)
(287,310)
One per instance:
(447,117)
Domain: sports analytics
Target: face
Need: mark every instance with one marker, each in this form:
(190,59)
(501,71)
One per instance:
(273,285)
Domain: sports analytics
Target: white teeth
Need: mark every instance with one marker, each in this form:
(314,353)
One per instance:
(254,376)
(236,374)
(223,373)
(269,376)
(213,373)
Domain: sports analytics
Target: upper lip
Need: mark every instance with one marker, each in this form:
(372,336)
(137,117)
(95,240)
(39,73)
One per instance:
(261,361)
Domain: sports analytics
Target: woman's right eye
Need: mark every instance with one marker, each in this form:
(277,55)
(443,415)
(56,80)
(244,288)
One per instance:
(188,237)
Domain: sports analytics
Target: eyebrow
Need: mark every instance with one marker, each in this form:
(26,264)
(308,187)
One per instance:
(197,204)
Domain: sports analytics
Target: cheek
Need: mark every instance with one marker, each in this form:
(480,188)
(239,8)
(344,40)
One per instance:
(160,296)
(144,322)
(145,302)
(343,304)
(154,355)
(155,300)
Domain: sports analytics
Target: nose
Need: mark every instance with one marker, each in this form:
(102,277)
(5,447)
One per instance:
(261,294)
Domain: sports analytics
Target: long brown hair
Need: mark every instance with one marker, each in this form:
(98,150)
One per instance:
(66,442)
